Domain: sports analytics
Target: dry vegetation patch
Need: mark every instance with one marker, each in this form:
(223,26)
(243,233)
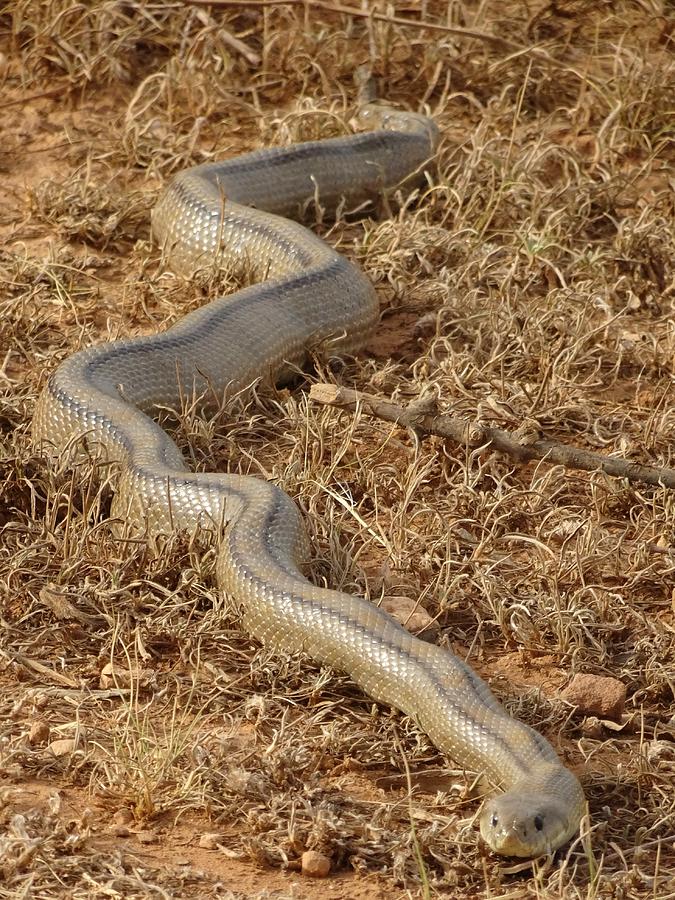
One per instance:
(531,282)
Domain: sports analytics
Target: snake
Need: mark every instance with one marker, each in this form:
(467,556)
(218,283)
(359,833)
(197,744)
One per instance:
(310,298)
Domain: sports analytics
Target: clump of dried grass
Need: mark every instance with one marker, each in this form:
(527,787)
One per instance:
(81,211)
(532,279)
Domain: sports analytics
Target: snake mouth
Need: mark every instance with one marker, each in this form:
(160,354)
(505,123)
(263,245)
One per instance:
(514,839)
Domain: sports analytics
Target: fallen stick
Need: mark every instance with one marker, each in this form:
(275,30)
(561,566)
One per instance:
(496,39)
(515,50)
(473,435)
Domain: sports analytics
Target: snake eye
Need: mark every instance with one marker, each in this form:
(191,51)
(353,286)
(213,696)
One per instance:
(495,820)
(538,822)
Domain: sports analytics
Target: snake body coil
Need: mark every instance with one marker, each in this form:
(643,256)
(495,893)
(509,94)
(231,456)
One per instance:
(311,295)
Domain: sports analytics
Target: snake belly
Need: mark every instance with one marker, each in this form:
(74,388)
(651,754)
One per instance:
(312,296)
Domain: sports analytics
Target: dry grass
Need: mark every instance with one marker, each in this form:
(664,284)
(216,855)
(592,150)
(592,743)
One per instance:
(534,279)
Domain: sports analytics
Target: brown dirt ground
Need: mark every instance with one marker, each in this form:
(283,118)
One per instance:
(533,279)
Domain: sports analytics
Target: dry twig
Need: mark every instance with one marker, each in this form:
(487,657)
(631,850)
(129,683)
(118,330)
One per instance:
(233,42)
(515,50)
(474,435)
(366,14)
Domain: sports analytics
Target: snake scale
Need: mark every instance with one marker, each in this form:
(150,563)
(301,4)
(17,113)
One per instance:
(311,296)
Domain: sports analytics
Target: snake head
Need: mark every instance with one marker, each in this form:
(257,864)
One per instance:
(374,115)
(512,827)
(528,821)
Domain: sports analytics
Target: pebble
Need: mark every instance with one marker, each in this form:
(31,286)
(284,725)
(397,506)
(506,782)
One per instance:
(123,816)
(39,732)
(210,840)
(146,837)
(411,615)
(596,695)
(63,746)
(314,864)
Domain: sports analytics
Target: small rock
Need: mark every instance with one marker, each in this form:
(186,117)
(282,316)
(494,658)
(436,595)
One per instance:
(121,831)
(591,727)
(314,864)
(63,746)
(410,614)
(146,837)
(657,750)
(123,816)
(39,732)
(210,840)
(596,695)
(114,676)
